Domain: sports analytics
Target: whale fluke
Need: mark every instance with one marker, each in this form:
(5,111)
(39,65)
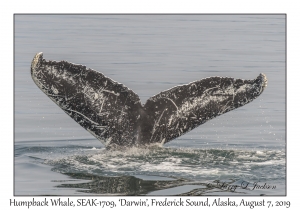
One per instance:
(114,114)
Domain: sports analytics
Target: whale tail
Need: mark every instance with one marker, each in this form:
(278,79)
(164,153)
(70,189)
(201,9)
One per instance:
(114,114)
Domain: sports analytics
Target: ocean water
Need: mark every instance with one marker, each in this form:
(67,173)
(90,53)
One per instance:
(242,152)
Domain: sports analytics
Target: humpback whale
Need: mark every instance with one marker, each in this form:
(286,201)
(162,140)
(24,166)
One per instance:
(114,114)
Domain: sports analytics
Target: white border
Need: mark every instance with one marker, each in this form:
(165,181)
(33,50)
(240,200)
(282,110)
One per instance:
(153,6)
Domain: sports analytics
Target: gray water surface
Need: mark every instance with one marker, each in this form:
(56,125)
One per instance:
(149,54)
